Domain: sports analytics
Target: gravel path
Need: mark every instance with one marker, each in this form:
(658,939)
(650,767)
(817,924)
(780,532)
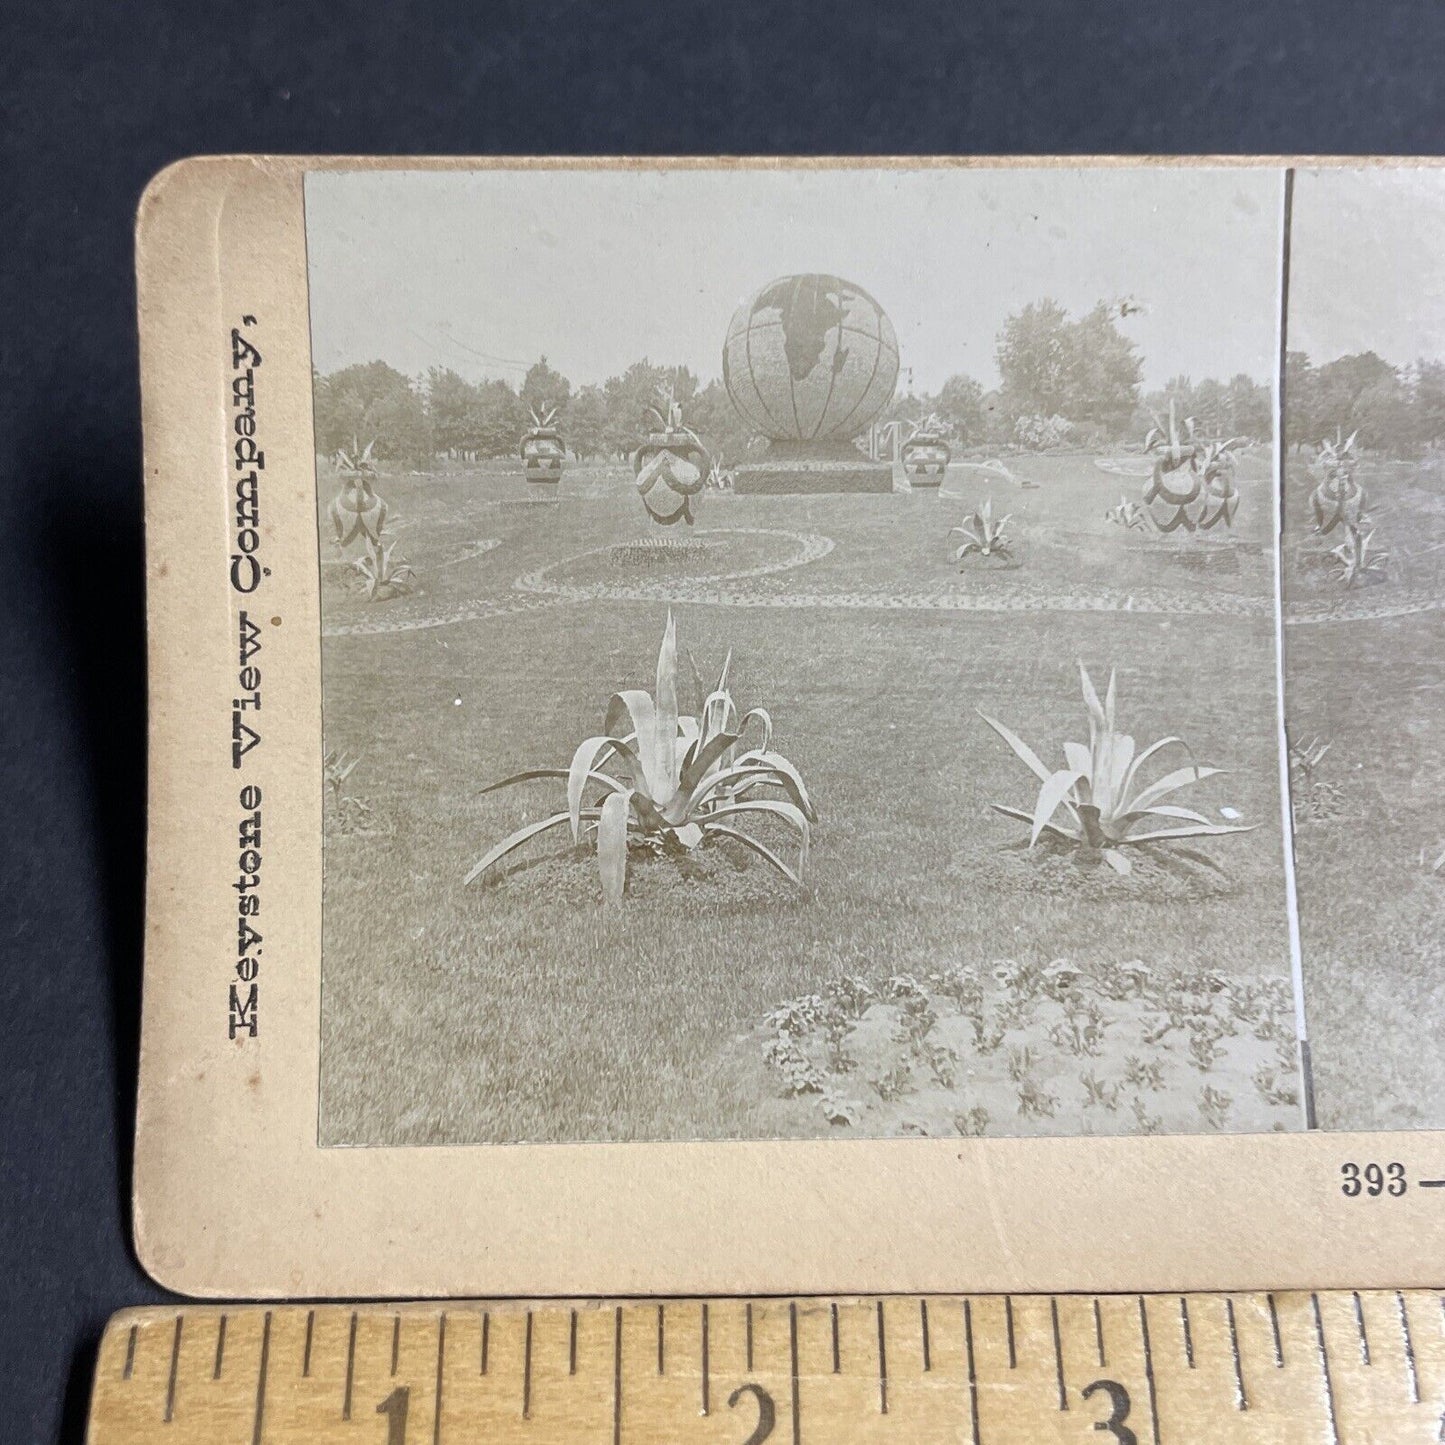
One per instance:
(539,589)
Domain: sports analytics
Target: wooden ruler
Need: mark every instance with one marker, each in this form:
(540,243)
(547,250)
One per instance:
(1327,1369)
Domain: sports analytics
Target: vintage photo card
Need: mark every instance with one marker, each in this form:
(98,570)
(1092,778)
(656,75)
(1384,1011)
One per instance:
(1364,587)
(694,625)
(705,710)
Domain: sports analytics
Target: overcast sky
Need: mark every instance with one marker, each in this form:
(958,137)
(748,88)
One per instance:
(1367,268)
(484,271)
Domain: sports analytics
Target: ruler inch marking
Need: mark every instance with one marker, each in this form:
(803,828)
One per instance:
(793,1351)
(436,1429)
(748,1328)
(661,1341)
(527,1371)
(1188,1330)
(1099,1335)
(705,1401)
(1274,1330)
(882,1363)
(617,1377)
(1241,1397)
(350,1368)
(486,1330)
(395,1343)
(259,1416)
(1149,1368)
(572,1345)
(1008,1314)
(306,1353)
(837,1358)
(1409,1345)
(1360,1327)
(1324,1362)
(175,1366)
(129,1368)
(923,1327)
(972,1373)
(220,1347)
(1058,1352)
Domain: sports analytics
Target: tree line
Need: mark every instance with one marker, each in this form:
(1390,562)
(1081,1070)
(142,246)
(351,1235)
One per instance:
(1062,379)
(1395,409)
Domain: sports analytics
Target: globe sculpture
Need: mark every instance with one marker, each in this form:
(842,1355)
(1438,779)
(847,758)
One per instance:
(809,362)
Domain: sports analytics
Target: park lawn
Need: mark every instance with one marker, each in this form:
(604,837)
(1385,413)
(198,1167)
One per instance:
(1371,908)
(521,1009)
(1372,911)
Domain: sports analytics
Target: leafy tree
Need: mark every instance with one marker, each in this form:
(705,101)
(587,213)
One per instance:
(587,422)
(1340,384)
(1086,370)
(1250,407)
(960,404)
(1033,358)
(1302,420)
(1386,416)
(372,402)
(631,394)
(449,399)
(543,388)
(496,420)
(712,415)
(1430,401)
(1103,371)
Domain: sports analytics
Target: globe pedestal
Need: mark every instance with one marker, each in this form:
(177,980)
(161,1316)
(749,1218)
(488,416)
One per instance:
(812,468)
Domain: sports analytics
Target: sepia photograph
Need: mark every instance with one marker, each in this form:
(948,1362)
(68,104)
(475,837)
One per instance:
(1364,588)
(800,652)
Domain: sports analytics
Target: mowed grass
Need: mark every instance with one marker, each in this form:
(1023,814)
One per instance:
(522,1009)
(1372,913)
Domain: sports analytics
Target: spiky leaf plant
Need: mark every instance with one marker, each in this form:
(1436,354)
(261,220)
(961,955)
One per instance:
(982,536)
(386,575)
(680,781)
(1129,515)
(337,766)
(1357,561)
(1098,801)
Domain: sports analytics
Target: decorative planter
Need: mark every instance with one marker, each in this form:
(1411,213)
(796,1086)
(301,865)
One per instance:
(543,454)
(925,459)
(671,469)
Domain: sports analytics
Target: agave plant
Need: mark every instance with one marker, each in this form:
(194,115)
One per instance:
(982,536)
(384,576)
(1098,801)
(1358,563)
(686,781)
(337,766)
(1129,515)
(1304,758)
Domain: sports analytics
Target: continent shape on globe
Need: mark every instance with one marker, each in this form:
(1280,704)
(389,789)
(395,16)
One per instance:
(810,358)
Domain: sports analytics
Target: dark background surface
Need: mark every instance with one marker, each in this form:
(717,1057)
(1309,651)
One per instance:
(96,98)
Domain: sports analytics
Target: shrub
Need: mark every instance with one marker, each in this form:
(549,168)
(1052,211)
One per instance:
(982,536)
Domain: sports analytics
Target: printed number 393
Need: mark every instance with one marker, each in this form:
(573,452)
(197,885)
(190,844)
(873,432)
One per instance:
(1372,1180)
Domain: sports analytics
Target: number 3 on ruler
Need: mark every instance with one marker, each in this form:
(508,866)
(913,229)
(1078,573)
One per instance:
(1118,1411)
(395,1407)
